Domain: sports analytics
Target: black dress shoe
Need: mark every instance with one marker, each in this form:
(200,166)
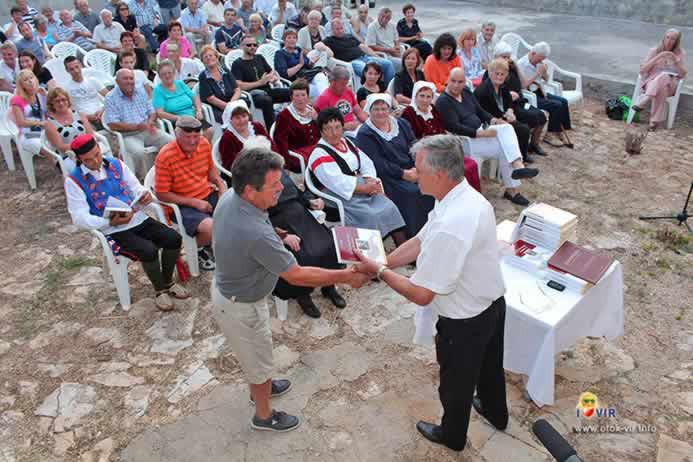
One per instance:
(536,149)
(431,432)
(521,173)
(308,307)
(528,159)
(518,198)
(476,402)
(331,293)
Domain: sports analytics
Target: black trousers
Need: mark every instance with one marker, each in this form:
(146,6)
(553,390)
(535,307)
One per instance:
(523,133)
(470,355)
(559,112)
(143,243)
(264,99)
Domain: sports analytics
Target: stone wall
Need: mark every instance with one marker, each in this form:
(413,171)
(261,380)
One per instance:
(675,12)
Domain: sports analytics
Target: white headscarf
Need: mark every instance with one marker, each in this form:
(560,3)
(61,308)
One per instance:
(394,126)
(228,110)
(418,86)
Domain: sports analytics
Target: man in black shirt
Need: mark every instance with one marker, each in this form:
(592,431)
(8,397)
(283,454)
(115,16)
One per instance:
(255,76)
(347,48)
(489,137)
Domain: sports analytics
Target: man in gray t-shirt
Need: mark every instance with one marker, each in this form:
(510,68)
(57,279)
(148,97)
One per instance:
(250,258)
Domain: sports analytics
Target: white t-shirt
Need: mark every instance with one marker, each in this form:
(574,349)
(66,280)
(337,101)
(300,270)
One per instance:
(109,36)
(459,258)
(189,69)
(528,69)
(85,95)
(8,74)
(215,13)
(381,36)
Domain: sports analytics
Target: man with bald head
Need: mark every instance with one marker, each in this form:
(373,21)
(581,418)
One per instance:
(128,110)
(490,137)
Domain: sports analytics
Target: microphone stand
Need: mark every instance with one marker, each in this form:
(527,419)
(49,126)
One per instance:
(681,217)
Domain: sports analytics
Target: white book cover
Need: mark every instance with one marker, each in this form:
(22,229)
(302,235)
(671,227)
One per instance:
(550,214)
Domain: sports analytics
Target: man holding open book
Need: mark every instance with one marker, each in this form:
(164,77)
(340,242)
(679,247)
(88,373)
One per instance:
(458,276)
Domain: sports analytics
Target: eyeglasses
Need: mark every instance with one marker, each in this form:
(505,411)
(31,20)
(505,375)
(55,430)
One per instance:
(251,45)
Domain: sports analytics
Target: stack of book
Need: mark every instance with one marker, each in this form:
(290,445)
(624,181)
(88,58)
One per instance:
(546,226)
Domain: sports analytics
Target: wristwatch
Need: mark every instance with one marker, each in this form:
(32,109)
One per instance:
(381,270)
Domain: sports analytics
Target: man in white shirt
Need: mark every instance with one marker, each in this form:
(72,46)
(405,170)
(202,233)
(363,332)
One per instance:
(214,9)
(382,36)
(264,6)
(9,68)
(486,41)
(11,29)
(282,11)
(186,69)
(84,93)
(194,21)
(458,276)
(138,236)
(107,34)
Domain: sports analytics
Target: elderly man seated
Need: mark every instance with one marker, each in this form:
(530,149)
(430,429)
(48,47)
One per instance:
(340,96)
(382,36)
(486,42)
(73,31)
(107,34)
(194,20)
(9,67)
(128,110)
(490,137)
(31,43)
(91,184)
(348,48)
(186,175)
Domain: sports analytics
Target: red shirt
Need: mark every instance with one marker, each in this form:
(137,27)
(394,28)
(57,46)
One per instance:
(344,102)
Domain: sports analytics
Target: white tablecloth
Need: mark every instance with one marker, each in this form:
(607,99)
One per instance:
(532,339)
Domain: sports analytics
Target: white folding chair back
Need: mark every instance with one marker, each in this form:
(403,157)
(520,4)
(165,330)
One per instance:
(267,51)
(8,130)
(515,40)
(301,160)
(493,171)
(231,56)
(62,50)
(50,149)
(574,97)
(391,88)
(278,31)
(330,198)
(102,60)
(189,242)
(216,158)
(57,70)
(672,102)
(105,79)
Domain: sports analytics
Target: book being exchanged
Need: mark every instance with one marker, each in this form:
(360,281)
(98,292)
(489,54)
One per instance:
(368,241)
(115,206)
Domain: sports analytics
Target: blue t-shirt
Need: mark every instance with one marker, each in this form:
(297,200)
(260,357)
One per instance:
(179,102)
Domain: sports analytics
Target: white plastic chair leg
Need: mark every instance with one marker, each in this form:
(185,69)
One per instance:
(282,308)
(119,271)
(190,245)
(27,159)
(6,145)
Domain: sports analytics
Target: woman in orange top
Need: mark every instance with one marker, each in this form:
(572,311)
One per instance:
(442,61)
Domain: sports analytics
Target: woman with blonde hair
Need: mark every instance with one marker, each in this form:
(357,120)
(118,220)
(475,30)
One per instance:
(256,29)
(28,107)
(660,73)
(65,124)
(471,59)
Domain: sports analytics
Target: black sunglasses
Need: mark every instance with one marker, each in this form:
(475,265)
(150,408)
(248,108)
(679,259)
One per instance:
(250,45)
(191,130)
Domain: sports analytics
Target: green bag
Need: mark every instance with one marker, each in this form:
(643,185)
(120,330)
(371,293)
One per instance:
(626,103)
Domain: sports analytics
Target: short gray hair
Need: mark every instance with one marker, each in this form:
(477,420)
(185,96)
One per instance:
(8,45)
(542,49)
(339,73)
(443,153)
(105,11)
(251,166)
(315,14)
(488,24)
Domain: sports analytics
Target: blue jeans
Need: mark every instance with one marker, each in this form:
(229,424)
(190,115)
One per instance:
(388,69)
(149,36)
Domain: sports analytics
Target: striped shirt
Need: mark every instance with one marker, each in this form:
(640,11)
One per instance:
(30,14)
(182,174)
(144,13)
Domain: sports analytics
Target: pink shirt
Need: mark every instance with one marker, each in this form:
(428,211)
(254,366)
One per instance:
(183,44)
(344,102)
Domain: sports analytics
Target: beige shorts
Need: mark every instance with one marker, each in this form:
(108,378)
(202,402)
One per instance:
(247,330)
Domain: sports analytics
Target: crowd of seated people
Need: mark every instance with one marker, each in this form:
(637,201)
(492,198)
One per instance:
(347,92)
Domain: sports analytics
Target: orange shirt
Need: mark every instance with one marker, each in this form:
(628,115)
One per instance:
(184,175)
(437,72)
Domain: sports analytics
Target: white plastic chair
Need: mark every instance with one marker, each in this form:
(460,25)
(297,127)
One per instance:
(267,51)
(672,102)
(277,32)
(299,157)
(328,197)
(123,153)
(574,97)
(189,242)
(62,50)
(106,79)
(355,81)
(57,70)
(468,151)
(231,56)
(216,158)
(102,60)
(515,40)
(8,130)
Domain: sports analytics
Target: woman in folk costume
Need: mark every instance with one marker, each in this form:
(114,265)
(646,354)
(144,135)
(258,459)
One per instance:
(238,127)
(425,120)
(295,128)
(386,140)
(345,171)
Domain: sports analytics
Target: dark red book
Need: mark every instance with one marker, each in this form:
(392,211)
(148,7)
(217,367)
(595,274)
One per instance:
(368,241)
(578,261)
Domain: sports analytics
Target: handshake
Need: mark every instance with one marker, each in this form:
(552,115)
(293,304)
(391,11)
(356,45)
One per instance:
(360,273)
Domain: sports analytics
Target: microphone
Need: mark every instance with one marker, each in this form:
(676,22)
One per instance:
(559,448)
